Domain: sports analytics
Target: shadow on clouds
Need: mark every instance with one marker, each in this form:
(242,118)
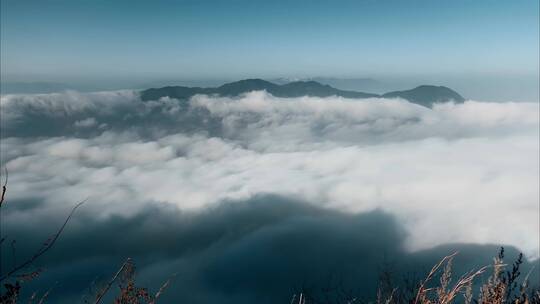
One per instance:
(261,250)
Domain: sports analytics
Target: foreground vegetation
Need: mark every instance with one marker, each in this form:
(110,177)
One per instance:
(505,283)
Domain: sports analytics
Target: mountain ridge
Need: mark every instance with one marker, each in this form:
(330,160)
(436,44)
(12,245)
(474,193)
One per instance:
(425,95)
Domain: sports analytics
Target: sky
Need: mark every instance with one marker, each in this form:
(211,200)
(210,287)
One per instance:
(251,197)
(146,40)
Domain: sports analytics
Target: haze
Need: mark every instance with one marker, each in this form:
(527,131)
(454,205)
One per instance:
(485,49)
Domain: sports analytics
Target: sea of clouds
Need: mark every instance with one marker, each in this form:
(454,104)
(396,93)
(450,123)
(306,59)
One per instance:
(455,173)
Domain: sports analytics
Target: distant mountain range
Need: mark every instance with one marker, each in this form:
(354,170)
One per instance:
(425,95)
(354,84)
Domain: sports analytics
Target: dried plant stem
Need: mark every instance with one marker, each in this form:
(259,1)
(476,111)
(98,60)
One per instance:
(422,289)
(118,273)
(44,248)
(162,289)
(4,188)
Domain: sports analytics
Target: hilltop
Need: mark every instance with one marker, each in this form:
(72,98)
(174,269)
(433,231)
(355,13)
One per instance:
(425,95)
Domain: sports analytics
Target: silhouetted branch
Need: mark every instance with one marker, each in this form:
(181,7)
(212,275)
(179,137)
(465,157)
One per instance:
(4,188)
(46,246)
(45,295)
(421,289)
(104,291)
(162,289)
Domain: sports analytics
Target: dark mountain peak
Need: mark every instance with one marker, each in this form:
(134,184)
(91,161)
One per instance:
(244,86)
(427,95)
(306,84)
(247,82)
(315,89)
(178,92)
(426,87)
(424,95)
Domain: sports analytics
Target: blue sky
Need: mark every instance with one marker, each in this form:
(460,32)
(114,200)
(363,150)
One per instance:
(62,40)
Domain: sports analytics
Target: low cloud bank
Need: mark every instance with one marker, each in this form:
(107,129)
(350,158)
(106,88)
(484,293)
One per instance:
(445,173)
(264,249)
(457,173)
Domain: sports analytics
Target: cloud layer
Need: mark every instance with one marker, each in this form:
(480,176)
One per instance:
(446,173)
(457,173)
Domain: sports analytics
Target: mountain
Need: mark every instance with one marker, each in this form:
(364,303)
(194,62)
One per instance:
(354,84)
(313,88)
(426,95)
(423,95)
(292,89)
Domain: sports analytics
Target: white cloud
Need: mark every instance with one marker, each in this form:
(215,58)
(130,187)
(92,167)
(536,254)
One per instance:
(366,121)
(86,123)
(457,173)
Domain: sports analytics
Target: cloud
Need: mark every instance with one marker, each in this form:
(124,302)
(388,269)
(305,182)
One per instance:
(465,173)
(266,248)
(445,173)
(86,123)
(365,121)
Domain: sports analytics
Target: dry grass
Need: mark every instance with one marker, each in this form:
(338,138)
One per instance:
(128,291)
(501,287)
